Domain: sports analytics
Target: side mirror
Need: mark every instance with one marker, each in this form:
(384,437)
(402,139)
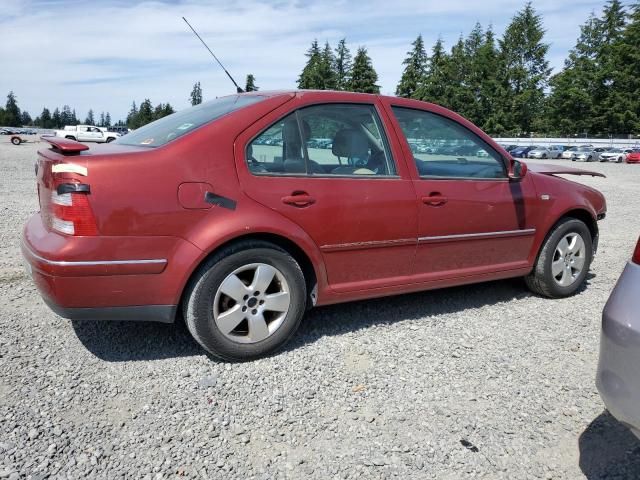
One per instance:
(517,170)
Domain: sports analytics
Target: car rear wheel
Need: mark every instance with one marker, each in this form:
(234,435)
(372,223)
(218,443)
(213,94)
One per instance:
(563,261)
(69,137)
(246,301)
(110,139)
(16,141)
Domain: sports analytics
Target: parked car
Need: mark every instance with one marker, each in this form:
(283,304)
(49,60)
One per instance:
(587,154)
(544,152)
(194,211)
(120,130)
(568,153)
(618,377)
(634,156)
(87,133)
(618,155)
(522,151)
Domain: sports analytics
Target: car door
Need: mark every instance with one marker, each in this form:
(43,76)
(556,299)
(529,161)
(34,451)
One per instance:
(471,218)
(83,134)
(351,194)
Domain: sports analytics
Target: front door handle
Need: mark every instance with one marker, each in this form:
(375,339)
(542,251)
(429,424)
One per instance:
(435,199)
(299,199)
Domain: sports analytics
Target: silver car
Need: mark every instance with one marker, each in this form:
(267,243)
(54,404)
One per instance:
(587,154)
(552,151)
(568,153)
(618,377)
(539,152)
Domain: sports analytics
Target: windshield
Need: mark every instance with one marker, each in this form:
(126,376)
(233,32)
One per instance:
(584,149)
(180,123)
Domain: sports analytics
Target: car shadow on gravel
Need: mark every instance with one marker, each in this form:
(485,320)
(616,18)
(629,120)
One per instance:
(609,450)
(127,341)
(350,317)
(130,341)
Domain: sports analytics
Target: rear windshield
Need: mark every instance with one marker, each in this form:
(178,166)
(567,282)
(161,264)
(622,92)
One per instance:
(180,123)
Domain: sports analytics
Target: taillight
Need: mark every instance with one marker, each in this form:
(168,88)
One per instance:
(636,253)
(71,214)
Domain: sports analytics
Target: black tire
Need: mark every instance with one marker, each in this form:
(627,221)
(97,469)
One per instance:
(541,280)
(110,139)
(544,157)
(16,140)
(199,298)
(69,137)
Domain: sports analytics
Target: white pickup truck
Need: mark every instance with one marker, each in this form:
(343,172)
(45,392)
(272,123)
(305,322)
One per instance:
(87,133)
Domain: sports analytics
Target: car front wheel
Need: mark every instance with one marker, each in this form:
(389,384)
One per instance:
(563,261)
(246,301)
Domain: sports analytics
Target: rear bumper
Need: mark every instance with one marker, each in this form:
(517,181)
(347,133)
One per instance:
(144,313)
(108,278)
(618,377)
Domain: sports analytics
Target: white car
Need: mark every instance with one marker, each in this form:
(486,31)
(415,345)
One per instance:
(617,155)
(568,153)
(87,133)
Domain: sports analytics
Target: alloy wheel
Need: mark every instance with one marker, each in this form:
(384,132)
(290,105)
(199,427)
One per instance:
(251,303)
(568,259)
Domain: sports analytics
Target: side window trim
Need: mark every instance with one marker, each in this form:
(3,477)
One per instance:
(474,135)
(376,116)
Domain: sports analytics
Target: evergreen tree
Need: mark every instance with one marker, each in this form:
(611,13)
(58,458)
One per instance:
(101,119)
(25,119)
(343,64)
(250,84)
(433,86)
(490,94)
(74,118)
(310,77)
(107,120)
(196,94)
(132,116)
(363,75)
(327,71)
(526,69)
(56,120)
(145,113)
(415,70)
(626,82)
(11,111)
(66,117)
(611,108)
(570,107)
(45,118)
(457,95)
(90,120)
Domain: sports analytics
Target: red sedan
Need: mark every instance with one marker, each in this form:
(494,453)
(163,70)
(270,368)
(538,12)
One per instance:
(245,211)
(634,156)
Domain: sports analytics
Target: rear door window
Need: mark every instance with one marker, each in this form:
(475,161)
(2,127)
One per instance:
(325,140)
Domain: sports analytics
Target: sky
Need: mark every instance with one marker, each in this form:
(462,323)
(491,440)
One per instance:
(105,54)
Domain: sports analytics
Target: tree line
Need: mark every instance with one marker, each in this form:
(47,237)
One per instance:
(504,85)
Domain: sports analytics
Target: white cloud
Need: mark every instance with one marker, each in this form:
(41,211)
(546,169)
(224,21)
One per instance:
(103,55)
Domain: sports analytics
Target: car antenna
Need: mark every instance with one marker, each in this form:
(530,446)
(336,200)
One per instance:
(238,89)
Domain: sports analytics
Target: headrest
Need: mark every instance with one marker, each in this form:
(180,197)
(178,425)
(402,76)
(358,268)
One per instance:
(350,143)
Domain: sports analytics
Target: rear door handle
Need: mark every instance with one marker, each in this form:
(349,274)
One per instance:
(299,199)
(435,200)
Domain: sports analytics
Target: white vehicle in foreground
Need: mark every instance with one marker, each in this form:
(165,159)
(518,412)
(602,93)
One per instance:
(87,133)
(617,155)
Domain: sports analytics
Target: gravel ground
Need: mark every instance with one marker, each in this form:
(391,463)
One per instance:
(483,381)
